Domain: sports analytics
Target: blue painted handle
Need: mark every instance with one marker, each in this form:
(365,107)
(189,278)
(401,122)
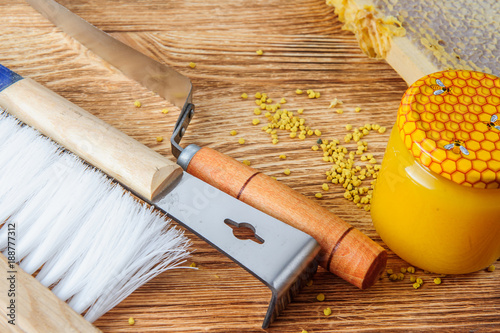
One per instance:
(8,77)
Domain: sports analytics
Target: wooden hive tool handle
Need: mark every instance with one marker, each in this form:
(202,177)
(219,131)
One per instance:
(345,251)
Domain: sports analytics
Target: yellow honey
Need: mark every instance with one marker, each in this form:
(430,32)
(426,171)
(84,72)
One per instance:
(436,203)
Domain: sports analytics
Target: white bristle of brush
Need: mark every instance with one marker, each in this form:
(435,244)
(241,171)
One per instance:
(93,243)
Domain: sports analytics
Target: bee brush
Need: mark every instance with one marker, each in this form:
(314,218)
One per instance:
(93,243)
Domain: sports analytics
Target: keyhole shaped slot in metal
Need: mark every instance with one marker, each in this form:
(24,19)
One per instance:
(244,231)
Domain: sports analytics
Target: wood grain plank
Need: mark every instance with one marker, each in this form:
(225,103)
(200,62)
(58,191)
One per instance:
(304,47)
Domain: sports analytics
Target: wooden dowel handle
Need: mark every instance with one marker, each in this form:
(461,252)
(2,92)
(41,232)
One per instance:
(137,167)
(33,308)
(345,251)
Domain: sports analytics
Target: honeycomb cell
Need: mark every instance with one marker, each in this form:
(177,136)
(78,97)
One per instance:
(493,165)
(452,99)
(473,83)
(464,74)
(449,166)
(431,107)
(428,117)
(436,167)
(472,176)
(462,135)
(437,126)
(464,100)
(471,118)
(487,145)
(478,165)
(422,98)
(466,127)
(493,100)
(488,176)
(458,177)
(456,117)
(443,116)
(459,82)
(409,127)
(464,165)
(475,109)
(473,145)
(425,159)
(479,100)
(495,155)
(488,83)
(478,136)
(452,126)
(492,136)
(438,154)
(484,92)
(483,155)
(489,109)
(468,92)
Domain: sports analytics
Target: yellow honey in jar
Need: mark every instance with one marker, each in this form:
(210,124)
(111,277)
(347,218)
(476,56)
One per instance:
(436,203)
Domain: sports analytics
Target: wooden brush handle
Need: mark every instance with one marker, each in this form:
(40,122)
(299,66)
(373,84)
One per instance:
(29,297)
(345,251)
(137,167)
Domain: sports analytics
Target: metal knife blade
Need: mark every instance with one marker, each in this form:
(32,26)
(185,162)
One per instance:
(155,76)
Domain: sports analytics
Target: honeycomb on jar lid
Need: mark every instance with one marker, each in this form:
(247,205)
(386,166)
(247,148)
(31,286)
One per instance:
(450,122)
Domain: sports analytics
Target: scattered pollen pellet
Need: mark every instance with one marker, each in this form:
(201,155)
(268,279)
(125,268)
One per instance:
(339,111)
(287,172)
(246,162)
(241,141)
(164,111)
(348,127)
(300,111)
(314,147)
(318,195)
(325,187)
(256,121)
(390,271)
(491,268)
(416,285)
(304,331)
(403,270)
(193,264)
(420,281)
(257,111)
(137,104)
(131,321)
(192,65)
(413,279)
(382,130)
(320,297)
(357,109)
(244,96)
(233,132)
(299,92)
(259,52)
(437,281)
(327,311)
(282,156)
(283,101)
(410,269)
(317,132)
(159,139)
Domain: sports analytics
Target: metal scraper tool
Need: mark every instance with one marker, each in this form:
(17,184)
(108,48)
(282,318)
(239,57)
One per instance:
(345,251)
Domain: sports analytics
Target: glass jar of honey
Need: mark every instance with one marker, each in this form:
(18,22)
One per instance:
(436,202)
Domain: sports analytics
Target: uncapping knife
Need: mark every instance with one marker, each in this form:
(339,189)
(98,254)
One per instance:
(346,251)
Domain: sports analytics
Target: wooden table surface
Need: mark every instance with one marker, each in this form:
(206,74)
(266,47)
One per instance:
(304,47)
